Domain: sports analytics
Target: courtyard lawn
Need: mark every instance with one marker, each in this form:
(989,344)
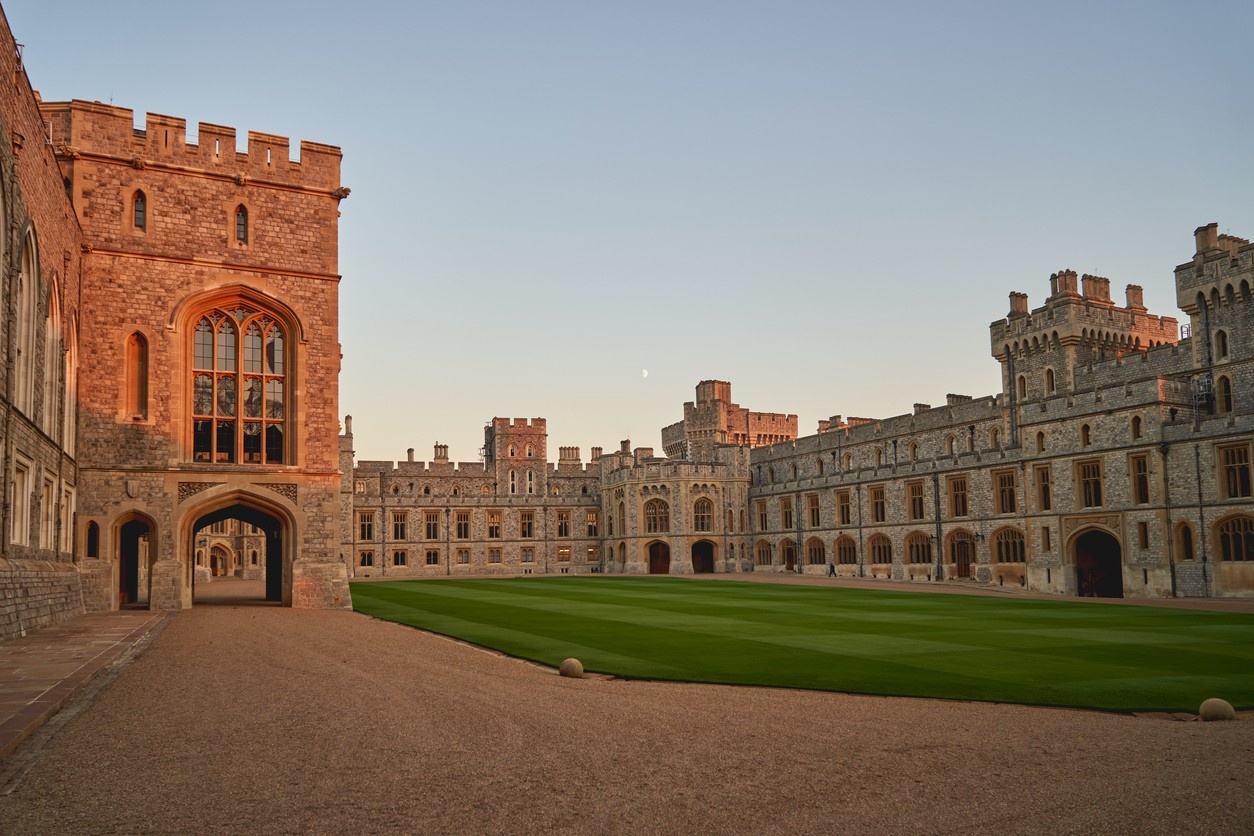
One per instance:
(964,647)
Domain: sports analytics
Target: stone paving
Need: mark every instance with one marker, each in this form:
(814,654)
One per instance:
(39,672)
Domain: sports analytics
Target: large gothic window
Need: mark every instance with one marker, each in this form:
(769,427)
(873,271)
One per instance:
(239,388)
(656,516)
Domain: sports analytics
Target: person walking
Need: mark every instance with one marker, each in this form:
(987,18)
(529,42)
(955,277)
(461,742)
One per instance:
(831,570)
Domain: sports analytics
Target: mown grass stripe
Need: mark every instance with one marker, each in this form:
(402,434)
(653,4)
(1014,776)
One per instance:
(866,641)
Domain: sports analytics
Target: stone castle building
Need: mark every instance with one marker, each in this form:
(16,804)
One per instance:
(1116,461)
(170,336)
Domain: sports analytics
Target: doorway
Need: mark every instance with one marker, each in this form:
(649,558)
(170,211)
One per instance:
(962,555)
(244,556)
(702,557)
(659,559)
(133,563)
(1098,566)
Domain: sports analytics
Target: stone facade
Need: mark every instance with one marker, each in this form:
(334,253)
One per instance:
(213,282)
(512,513)
(163,297)
(713,419)
(1116,461)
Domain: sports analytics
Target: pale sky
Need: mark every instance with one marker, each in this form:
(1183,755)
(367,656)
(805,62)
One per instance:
(824,203)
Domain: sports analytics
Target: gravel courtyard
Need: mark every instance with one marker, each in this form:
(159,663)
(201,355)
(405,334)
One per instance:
(249,718)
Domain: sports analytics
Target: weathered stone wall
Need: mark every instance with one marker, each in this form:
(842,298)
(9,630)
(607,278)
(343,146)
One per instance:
(37,593)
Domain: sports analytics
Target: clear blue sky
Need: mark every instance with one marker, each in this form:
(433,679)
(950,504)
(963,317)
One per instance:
(825,203)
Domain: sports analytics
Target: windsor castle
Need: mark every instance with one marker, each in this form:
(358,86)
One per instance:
(170,370)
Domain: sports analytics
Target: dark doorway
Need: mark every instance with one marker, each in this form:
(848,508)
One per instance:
(659,559)
(134,544)
(962,556)
(703,557)
(790,556)
(1098,566)
(241,531)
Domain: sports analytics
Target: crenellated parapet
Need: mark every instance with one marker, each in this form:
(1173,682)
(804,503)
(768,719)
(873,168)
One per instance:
(81,129)
(1221,272)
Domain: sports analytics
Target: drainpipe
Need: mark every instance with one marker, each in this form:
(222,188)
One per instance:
(861,544)
(1201,518)
(940,543)
(1171,539)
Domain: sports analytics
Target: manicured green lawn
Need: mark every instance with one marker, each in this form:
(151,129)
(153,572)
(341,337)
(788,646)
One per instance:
(834,639)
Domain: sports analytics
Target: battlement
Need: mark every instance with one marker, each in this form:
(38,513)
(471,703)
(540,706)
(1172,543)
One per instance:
(1222,270)
(81,128)
(519,423)
(1071,318)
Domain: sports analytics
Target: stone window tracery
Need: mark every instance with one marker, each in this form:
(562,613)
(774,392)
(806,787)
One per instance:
(657,516)
(239,387)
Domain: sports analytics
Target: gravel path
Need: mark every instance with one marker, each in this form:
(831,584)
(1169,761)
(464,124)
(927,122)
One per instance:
(258,719)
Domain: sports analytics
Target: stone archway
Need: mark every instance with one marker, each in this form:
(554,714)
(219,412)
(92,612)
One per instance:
(260,524)
(962,553)
(1098,561)
(702,557)
(659,558)
(134,550)
(788,553)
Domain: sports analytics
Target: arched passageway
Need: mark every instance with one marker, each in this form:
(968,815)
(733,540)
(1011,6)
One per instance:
(659,558)
(702,557)
(253,531)
(1098,565)
(133,551)
(789,550)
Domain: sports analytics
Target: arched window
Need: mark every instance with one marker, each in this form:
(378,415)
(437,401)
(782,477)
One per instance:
(794,472)
(703,515)
(848,461)
(139,210)
(1184,535)
(1049,381)
(846,552)
(531,482)
(69,415)
(93,540)
(27,310)
(1236,539)
(622,519)
(239,398)
(949,445)
(1221,345)
(1223,395)
(241,224)
(816,554)
(513,482)
(919,548)
(762,555)
(1008,546)
(731,520)
(254,558)
(367,558)
(1023,387)
(137,377)
(54,358)
(914,452)
(881,549)
(994,437)
(1086,437)
(1136,426)
(513,451)
(1040,442)
(531,453)
(818,465)
(656,516)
